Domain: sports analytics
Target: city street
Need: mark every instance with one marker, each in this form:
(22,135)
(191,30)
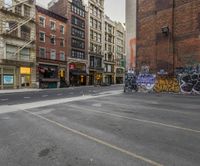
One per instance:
(99,126)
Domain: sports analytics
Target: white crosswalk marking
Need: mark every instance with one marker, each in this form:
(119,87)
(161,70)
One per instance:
(4,99)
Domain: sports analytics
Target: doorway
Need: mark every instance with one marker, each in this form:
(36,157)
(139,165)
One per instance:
(25,81)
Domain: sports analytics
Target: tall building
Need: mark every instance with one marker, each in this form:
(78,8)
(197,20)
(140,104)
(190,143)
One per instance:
(168,34)
(131,10)
(51,48)
(17,44)
(96,41)
(109,51)
(120,49)
(76,12)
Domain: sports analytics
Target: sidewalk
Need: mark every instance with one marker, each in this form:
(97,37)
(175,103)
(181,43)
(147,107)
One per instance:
(18,90)
(37,90)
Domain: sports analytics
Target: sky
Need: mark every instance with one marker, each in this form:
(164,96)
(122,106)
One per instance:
(115,9)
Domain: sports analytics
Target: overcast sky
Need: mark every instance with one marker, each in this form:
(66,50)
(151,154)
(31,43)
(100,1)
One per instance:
(115,9)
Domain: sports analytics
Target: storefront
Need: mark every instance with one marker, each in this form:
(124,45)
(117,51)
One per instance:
(119,76)
(109,79)
(77,74)
(7,77)
(48,76)
(15,77)
(25,77)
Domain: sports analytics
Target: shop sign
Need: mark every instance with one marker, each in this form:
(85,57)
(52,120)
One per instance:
(25,70)
(8,79)
(81,66)
(71,66)
(62,73)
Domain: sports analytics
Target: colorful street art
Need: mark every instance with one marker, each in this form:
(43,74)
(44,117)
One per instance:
(190,83)
(186,81)
(167,84)
(146,81)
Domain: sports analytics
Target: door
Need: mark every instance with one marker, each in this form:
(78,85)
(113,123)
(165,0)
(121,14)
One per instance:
(25,81)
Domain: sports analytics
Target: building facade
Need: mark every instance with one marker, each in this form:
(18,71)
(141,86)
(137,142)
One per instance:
(96,41)
(76,12)
(17,44)
(168,34)
(120,56)
(51,49)
(109,51)
(131,11)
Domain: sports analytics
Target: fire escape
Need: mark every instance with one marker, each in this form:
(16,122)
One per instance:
(19,27)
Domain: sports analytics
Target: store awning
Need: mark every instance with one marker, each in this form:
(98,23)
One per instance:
(78,73)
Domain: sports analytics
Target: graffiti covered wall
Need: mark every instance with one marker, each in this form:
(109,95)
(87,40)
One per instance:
(186,81)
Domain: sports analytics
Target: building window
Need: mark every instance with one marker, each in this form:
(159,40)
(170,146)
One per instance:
(18,9)
(78,33)
(27,11)
(62,42)
(62,56)
(53,26)
(78,11)
(42,21)
(62,29)
(98,62)
(91,61)
(42,36)
(25,54)
(78,22)
(78,54)
(42,52)
(53,39)
(11,52)
(53,54)
(78,43)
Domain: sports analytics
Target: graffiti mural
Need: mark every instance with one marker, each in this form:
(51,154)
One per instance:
(167,84)
(190,83)
(146,81)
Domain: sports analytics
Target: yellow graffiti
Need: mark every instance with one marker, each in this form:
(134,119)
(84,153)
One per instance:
(167,84)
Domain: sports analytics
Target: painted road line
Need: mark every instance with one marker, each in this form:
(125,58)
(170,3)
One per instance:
(114,147)
(145,107)
(19,107)
(27,97)
(4,99)
(45,111)
(45,96)
(136,119)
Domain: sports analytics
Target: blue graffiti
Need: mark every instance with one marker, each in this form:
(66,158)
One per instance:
(146,81)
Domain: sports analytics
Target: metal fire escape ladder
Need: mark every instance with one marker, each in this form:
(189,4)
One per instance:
(19,3)
(13,28)
(21,48)
(19,24)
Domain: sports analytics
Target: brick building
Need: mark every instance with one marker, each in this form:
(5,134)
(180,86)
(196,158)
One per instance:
(168,34)
(51,48)
(76,12)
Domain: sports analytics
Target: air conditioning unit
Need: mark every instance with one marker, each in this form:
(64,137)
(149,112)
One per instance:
(7,28)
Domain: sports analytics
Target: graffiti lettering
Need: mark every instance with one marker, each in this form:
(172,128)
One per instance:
(190,83)
(167,84)
(146,81)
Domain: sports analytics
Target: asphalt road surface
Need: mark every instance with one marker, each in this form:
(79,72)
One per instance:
(100,127)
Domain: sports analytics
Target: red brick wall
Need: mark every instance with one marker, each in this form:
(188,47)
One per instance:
(154,48)
(47,44)
(64,7)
